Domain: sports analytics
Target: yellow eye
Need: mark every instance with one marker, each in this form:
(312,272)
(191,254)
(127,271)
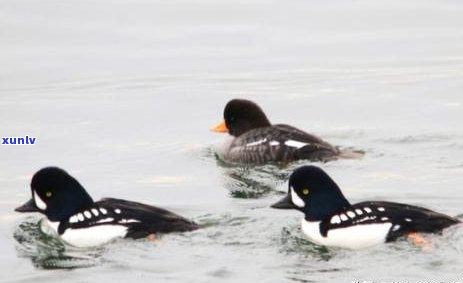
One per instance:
(305,191)
(48,194)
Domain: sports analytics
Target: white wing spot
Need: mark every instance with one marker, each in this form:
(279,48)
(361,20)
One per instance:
(366,218)
(335,219)
(87,214)
(95,211)
(80,216)
(381,209)
(358,211)
(297,144)
(117,211)
(351,214)
(384,218)
(343,217)
(123,221)
(104,220)
(396,227)
(103,211)
(408,220)
(257,142)
(73,219)
(367,209)
(274,143)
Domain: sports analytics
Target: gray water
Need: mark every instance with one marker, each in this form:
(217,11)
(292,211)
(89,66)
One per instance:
(121,94)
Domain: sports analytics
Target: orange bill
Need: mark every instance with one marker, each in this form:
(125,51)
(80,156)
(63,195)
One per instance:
(220,128)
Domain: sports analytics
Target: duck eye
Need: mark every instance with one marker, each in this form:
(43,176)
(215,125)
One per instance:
(48,194)
(305,191)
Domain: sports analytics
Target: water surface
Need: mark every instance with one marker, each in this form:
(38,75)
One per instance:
(122,93)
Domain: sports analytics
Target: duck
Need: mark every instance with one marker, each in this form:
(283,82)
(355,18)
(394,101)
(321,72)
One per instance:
(331,220)
(254,140)
(73,216)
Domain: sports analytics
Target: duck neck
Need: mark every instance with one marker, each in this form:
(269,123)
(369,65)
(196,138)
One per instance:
(325,207)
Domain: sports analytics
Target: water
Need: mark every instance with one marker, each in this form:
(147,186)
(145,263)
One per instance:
(122,94)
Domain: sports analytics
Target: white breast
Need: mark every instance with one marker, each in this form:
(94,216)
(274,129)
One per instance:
(48,227)
(93,236)
(354,237)
(85,237)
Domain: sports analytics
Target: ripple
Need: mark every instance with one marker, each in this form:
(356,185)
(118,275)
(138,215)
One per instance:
(420,138)
(293,243)
(254,182)
(393,260)
(47,252)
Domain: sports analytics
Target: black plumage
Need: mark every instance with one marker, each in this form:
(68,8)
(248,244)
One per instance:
(404,218)
(315,194)
(62,199)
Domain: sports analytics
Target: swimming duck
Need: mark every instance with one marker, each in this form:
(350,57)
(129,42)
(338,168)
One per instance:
(256,141)
(330,220)
(72,215)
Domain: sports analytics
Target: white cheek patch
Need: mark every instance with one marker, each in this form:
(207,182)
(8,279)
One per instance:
(296,199)
(39,202)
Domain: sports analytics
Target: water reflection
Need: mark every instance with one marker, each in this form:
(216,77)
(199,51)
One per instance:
(293,243)
(49,252)
(254,182)
(248,181)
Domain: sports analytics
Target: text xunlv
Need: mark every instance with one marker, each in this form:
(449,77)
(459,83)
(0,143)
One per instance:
(18,140)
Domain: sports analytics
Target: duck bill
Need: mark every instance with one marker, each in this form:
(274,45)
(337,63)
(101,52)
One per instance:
(220,128)
(284,203)
(28,207)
